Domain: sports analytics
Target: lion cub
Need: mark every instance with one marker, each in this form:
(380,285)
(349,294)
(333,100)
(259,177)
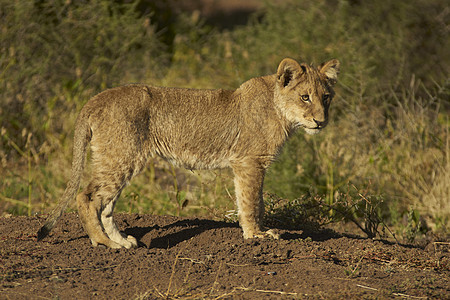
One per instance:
(197,129)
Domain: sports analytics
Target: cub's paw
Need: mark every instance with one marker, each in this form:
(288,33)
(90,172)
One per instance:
(262,234)
(132,240)
(127,241)
(105,244)
(272,233)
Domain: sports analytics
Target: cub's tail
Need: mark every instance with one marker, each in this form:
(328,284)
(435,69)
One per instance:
(82,137)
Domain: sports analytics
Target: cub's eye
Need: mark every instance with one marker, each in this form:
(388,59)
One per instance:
(305,98)
(326,97)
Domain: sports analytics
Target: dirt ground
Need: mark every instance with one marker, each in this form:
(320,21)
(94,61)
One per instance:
(198,258)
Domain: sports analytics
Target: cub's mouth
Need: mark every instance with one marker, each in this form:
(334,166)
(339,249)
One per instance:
(312,131)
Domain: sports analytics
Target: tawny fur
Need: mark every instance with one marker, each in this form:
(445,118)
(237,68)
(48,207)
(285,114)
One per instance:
(196,129)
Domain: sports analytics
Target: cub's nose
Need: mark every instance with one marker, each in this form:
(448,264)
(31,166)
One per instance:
(320,124)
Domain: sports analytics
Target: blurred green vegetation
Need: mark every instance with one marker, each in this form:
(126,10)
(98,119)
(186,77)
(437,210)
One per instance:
(389,129)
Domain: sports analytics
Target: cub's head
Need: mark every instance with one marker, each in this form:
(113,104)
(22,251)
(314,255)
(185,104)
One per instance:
(303,93)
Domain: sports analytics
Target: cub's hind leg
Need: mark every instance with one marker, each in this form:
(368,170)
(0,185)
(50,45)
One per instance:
(89,209)
(96,206)
(111,229)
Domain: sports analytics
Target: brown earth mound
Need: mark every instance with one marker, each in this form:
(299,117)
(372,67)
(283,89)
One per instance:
(195,258)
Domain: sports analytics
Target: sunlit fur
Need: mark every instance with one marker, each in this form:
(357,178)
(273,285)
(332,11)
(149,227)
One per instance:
(243,129)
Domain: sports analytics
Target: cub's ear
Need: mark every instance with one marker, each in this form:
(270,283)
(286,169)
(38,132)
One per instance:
(288,71)
(331,70)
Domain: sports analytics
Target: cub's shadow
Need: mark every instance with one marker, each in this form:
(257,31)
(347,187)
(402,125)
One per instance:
(318,235)
(164,237)
(172,234)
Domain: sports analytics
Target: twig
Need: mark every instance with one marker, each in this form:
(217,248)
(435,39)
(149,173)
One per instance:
(195,261)
(266,291)
(215,280)
(357,266)
(235,265)
(441,243)
(228,192)
(378,219)
(225,295)
(395,294)
(173,273)
(173,268)
(277,292)
(161,294)
(366,287)
(408,296)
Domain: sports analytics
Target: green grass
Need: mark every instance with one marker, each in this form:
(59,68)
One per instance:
(389,129)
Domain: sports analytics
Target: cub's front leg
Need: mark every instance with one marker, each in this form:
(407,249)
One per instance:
(248,183)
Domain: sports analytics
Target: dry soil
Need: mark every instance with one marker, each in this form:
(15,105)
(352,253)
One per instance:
(198,258)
